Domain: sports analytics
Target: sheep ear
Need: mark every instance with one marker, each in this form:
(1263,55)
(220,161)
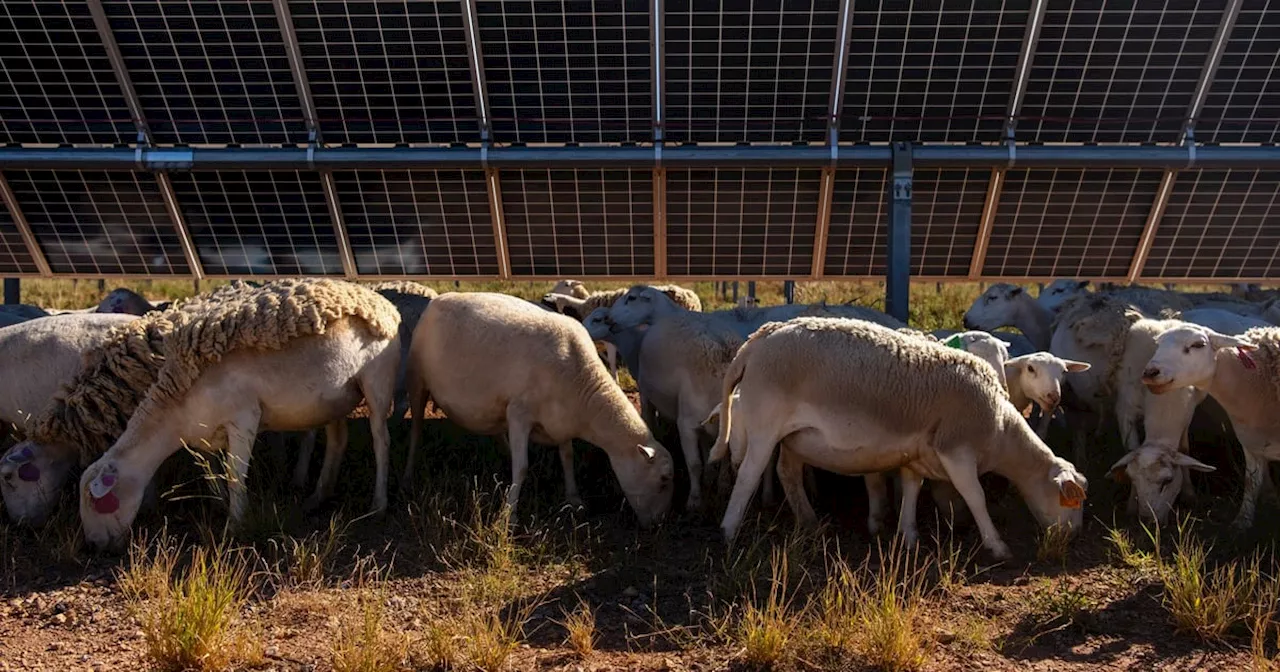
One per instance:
(1185,460)
(1082,284)
(1076,367)
(1070,494)
(1219,341)
(649,453)
(1117,472)
(954,342)
(1015,291)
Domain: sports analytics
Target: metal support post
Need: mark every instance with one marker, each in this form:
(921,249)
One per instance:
(898,263)
(12,291)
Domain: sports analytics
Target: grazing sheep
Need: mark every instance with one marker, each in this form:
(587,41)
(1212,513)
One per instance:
(985,346)
(648,305)
(1016,344)
(1005,305)
(291,355)
(494,363)
(931,411)
(625,342)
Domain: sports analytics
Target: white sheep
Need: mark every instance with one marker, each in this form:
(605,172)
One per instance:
(124,300)
(574,288)
(1242,373)
(1057,292)
(291,355)
(496,364)
(1005,305)
(856,398)
(1037,379)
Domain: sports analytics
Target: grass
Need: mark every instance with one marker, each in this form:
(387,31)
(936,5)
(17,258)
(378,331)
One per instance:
(1207,601)
(765,633)
(1127,553)
(364,644)
(580,626)
(309,559)
(1053,544)
(1060,604)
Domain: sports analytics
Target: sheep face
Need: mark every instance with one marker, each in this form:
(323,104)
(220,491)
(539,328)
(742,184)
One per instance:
(1186,357)
(31,480)
(1157,475)
(1058,291)
(1060,502)
(122,300)
(598,324)
(646,477)
(638,306)
(1040,376)
(109,500)
(996,308)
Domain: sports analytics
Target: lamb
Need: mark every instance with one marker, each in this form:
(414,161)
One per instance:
(291,355)
(1016,344)
(986,347)
(494,364)
(1243,374)
(932,411)
(1037,379)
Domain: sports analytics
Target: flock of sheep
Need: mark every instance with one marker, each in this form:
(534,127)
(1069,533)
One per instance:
(848,389)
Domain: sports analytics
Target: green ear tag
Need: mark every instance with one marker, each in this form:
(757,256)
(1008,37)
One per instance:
(954,342)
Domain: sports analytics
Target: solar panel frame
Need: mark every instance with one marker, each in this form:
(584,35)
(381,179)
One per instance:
(895,92)
(202,70)
(15,257)
(755,102)
(1216,220)
(259,223)
(579,222)
(946,214)
(99,223)
(60,88)
(752,222)
(408,82)
(437,222)
(1069,222)
(1150,63)
(589,60)
(1243,101)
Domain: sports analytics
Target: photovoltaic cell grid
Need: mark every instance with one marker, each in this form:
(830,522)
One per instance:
(946,212)
(209,71)
(56,84)
(14,257)
(755,221)
(858,232)
(402,222)
(1069,222)
(259,222)
(1116,73)
(1243,104)
(388,72)
(567,70)
(1218,224)
(579,222)
(931,72)
(98,222)
(758,71)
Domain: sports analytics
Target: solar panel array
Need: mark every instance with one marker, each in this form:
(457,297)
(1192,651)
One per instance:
(247,73)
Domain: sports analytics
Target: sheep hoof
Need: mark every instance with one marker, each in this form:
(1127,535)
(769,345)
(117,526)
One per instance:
(1000,550)
(694,504)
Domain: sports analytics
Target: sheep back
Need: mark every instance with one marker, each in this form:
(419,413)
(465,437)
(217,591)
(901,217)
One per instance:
(408,287)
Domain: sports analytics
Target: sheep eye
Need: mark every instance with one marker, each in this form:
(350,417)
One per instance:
(1031,369)
(630,299)
(1198,344)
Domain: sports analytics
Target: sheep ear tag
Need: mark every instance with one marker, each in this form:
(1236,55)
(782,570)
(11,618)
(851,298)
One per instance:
(1071,495)
(20,456)
(954,342)
(100,496)
(1245,358)
(648,452)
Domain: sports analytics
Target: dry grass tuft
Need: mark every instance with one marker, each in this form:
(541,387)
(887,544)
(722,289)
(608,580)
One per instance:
(1207,602)
(581,627)
(766,633)
(1127,552)
(309,559)
(1054,543)
(363,643)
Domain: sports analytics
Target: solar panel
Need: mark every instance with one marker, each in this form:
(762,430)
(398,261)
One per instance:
(209,71)
(1243,104)
(404,222)
(98,222)
(1069,222)
(567,70)
(1218,224)
(14,257)
(580,222)
(858,233)
(259,222)
(931,72)
(388,72)
(56,84)
(741,222)
(946,213)
(1116,72)
(757,71)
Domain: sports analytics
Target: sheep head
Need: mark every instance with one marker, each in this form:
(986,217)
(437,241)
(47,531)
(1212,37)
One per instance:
(1186,356)
(31,480)
(997,307)
(1157,474)
(1040,375)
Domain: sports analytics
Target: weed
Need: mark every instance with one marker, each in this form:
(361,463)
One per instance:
(973,633)
(310,558)
(1207,602)
(581,626)
(1054,543)
(439,648)
(1058,606)
(765,633)
(363,644)
(492,637)
(1126,551)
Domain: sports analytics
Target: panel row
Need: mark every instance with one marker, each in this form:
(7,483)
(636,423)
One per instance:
(399,71)
(591,222)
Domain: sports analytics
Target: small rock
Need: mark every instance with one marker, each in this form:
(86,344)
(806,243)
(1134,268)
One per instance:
(60,619)
(946,637)
(272,652)
(99,668)
(54,646)
(61,607)
(630,591)
(397,602)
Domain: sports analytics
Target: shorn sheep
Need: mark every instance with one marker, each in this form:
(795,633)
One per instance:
(1243,374)
(288,356)
(496,364)
(856,398)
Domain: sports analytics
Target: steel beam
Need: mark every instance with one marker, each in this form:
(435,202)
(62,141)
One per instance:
(289,36)
(1152,225)
(339,225)
(660,222)
(1210,69)
(20,220)
(1026,55)
(475,56)
(657,68)
(823,226)
(110,46)
(898,262)
(838,72)
(499,223)
(989,206)
(180,225)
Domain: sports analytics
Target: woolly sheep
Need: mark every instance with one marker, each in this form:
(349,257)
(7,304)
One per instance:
(30,478)
(494,364)
(124,300)
(1016,344)
(291,355)
(1037,379)
(647,305)
(625,342)
(1005,305)
(1055,293)
(932,411)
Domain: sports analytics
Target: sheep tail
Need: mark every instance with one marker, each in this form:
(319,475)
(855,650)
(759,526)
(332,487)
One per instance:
(733,376)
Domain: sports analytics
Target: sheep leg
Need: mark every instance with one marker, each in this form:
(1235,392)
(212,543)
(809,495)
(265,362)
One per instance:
(240,438)
(756,460)
(911,485)
(1042,426)
(570,481)
(962,470)
(1187,495)
(307,447)
(518,429)
(611,353)
(1253,474)
(768,496)
(791,473)
(688,425)
(417,410)
(335,445)
(877,501)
